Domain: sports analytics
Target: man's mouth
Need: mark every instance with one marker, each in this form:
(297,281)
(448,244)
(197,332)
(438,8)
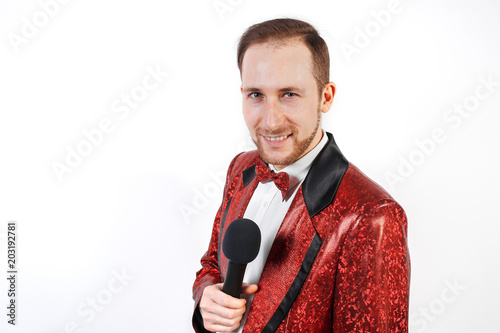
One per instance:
(276,138)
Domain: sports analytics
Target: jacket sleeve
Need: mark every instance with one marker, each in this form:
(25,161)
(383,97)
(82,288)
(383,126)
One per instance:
(372,285)
(209,273)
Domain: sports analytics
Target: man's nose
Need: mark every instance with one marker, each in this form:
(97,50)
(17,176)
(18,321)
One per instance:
(273,115)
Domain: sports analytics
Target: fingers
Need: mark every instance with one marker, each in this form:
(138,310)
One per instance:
(222,298)
(220,312)
(249,289)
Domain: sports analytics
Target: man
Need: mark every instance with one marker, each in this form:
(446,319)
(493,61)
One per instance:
(334,255)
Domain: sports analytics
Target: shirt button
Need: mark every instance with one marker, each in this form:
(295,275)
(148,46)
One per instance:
(266,204)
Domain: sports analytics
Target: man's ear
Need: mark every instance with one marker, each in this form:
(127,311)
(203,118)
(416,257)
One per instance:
(327,96)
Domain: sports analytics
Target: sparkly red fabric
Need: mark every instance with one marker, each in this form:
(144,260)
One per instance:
(359,280)
(264,174)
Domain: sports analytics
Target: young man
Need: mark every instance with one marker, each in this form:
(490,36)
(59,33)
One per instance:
(333,255)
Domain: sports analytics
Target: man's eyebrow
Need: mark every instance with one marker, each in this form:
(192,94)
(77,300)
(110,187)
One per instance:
(288,89)
(250,89)
(285,89)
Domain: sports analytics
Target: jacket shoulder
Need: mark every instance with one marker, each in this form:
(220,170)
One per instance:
(359,186)
(366,200)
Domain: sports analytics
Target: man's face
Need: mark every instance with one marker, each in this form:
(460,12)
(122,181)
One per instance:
(281,106)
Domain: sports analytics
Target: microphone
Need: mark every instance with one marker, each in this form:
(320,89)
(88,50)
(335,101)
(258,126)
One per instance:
(240,246)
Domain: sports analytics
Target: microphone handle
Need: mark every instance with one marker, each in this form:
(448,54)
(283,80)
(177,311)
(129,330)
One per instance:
(234,278)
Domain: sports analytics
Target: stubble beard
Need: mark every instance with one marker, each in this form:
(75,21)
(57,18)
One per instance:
(299,147)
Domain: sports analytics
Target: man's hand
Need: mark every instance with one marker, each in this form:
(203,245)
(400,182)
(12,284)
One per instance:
(221,312)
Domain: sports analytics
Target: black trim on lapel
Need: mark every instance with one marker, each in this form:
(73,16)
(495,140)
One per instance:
(294,290)
(324,177)
(248,175)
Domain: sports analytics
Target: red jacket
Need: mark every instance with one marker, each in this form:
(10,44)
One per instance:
(339,262)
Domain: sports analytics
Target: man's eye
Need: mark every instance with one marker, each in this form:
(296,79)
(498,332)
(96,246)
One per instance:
(290,94)
(255,95)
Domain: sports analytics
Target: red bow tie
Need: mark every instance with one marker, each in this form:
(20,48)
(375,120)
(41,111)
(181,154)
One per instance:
(264,174)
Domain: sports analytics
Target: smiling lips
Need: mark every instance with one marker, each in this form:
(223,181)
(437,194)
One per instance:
(276,138)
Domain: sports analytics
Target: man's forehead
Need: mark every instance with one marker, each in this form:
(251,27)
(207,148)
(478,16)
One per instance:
(285,63)
(295,46)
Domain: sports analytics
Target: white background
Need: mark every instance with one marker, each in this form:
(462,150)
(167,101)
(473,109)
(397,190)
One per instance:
(141,203)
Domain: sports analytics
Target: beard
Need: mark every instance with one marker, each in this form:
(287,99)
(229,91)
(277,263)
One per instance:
(299,147)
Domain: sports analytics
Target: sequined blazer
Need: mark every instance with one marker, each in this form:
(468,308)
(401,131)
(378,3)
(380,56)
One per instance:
(339,262)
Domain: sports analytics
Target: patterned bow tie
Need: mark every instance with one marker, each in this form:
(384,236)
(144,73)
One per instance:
(264,174)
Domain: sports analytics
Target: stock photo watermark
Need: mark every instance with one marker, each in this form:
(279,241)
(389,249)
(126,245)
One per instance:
(222,7)
(31,27)
(436,307)
(453,117)
(363,36)
(122,107)
(203,195)
(88,309)
(12,272)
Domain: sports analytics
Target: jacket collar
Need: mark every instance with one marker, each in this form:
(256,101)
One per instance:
(323,179)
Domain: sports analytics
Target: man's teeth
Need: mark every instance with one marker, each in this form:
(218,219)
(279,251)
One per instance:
(279,138)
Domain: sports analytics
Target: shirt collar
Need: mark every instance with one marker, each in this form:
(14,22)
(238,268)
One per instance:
(298,170)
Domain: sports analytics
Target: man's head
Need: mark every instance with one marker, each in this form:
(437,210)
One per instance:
(281,31)
(284,63)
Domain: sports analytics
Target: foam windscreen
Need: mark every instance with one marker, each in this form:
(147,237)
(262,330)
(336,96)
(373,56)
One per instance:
(242,241)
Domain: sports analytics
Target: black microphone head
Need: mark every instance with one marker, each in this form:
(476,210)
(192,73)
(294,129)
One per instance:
(242,241)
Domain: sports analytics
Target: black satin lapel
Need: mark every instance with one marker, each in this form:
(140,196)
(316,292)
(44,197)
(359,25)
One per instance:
(248,175)
(324,177)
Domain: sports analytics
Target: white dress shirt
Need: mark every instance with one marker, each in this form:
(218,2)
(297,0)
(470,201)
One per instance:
(267,209)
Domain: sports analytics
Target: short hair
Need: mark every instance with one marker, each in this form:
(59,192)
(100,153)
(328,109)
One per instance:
(283,30)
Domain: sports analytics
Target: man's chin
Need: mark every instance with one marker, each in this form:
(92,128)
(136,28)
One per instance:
(276,157)
(276,160)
